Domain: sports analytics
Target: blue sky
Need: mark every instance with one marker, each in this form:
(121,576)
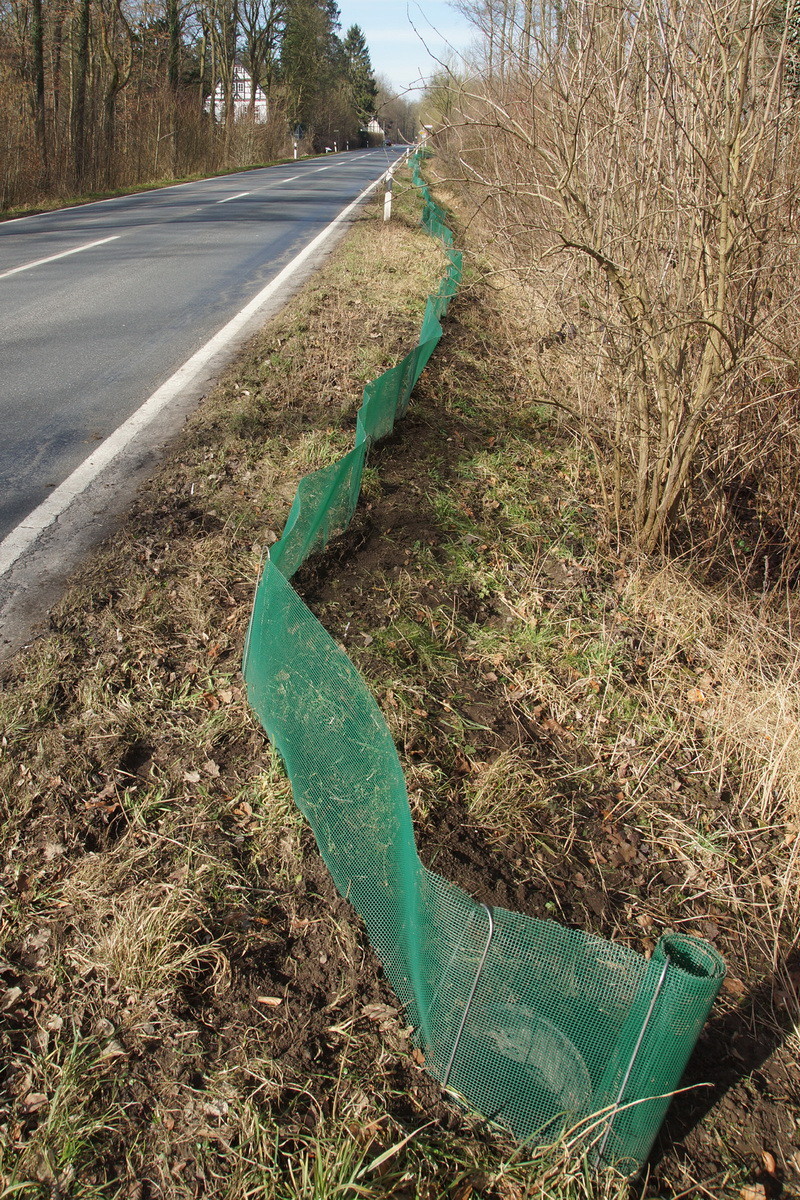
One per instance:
(395,49)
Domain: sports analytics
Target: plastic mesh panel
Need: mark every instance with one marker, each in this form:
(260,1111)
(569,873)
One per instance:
(323,507)
(539,1027)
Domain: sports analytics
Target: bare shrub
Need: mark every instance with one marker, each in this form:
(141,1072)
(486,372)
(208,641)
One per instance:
(637,165)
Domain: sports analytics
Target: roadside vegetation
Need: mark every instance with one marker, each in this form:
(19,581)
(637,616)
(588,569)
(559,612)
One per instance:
(188,1008)
(635,170)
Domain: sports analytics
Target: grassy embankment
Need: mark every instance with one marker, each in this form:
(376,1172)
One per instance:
(189,1010)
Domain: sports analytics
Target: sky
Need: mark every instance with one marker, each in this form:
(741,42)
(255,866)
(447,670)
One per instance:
(397,51)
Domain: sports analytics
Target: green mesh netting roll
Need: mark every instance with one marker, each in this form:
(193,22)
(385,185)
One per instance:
(540,1028)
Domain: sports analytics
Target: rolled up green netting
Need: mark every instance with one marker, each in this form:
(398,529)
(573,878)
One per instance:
(540,1028)
(564,1030)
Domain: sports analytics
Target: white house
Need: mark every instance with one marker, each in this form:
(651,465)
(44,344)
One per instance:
(242,87)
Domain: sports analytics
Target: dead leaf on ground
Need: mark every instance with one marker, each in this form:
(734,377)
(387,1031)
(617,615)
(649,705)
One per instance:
(379,1012)
(113,1049)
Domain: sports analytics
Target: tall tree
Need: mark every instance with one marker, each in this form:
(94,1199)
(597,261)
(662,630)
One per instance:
(310,55)
(360,77)
(116,41)
(262,23)
(81,75)
(37,39)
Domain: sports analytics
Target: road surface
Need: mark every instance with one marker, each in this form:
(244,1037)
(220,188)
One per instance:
(102,304)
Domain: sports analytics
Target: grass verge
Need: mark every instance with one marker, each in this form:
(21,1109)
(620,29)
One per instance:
(188,1007)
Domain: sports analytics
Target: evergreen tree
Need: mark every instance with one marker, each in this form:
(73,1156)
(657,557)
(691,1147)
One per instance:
(360,77)
(310,58)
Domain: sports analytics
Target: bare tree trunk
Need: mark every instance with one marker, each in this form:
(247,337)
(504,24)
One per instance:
(37,38)
(79,89)
(173,15)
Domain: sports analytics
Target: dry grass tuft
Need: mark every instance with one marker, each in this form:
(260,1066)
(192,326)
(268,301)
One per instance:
(746,700)
(144,944)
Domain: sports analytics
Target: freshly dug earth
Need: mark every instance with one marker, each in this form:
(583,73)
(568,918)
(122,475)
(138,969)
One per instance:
(189,1009)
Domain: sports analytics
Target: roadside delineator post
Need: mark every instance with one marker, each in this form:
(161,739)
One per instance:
(387,199)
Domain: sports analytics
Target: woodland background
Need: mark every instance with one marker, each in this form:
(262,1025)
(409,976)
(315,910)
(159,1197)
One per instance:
(105,94)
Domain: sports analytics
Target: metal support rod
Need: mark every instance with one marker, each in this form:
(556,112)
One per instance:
(613,1114)
(471,996)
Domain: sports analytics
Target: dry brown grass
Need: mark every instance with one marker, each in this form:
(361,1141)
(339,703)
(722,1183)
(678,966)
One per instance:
(742,651)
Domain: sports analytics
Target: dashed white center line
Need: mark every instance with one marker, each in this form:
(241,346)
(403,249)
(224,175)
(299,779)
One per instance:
(325,168)
(291,179)
(52,257)
(238,196)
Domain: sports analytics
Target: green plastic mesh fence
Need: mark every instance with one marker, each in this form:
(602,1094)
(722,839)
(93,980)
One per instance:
(540,1028)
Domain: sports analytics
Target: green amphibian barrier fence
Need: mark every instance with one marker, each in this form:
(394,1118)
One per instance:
(540,1028)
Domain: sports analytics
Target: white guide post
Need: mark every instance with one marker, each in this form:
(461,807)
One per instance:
(387,199)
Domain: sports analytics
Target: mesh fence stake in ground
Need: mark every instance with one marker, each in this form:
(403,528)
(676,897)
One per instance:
(536,1026)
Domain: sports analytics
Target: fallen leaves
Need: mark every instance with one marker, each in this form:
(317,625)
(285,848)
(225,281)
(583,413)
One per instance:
(753,1191)
(10,998)
(208,768)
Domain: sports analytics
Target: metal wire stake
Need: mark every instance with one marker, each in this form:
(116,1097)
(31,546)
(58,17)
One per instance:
(615,1109)
(471,996)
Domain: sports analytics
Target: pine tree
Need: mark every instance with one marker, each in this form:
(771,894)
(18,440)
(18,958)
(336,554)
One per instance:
(310,56)
(360,77)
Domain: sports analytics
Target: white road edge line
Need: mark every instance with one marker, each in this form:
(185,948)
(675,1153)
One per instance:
(238,196)
(25,534)
(52,257)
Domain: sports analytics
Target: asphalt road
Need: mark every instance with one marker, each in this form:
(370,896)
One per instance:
(100,304)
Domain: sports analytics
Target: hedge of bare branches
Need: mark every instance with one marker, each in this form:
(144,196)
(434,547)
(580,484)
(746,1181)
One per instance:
(640,166)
